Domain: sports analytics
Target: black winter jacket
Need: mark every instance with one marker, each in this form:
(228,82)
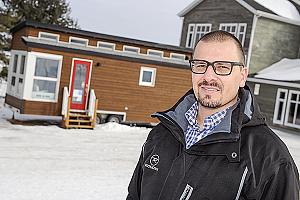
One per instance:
(243,159)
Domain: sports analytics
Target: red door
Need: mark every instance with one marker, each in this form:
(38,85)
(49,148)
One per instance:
(80,84)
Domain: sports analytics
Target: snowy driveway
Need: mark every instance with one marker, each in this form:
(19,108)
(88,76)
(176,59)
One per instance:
(47,162)
(51,163)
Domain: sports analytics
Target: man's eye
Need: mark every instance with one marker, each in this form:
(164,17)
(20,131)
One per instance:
(200,65)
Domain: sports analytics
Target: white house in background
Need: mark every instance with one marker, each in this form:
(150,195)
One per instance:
(277,90)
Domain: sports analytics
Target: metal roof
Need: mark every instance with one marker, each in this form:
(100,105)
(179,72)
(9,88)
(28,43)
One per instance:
(52,27)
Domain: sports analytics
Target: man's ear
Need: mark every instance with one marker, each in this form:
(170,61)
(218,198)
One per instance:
(244,75)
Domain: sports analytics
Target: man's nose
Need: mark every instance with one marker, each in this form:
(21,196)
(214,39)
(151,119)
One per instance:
(210,73)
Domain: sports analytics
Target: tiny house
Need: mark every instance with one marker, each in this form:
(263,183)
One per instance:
(54,69)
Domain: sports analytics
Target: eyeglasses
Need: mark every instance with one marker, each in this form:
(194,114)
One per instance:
(222,68)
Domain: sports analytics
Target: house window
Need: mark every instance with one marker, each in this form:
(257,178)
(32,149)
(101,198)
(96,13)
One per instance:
(177,56)
(106,45)
(15,63)
(292,116)
(13,81)
(280,105)
(256,89)
(195,32)
(237,29)
(78,41)
(22,66)
(49,36)
(20,86)
(147,76)
(131,49)
(45,78)
(155,53)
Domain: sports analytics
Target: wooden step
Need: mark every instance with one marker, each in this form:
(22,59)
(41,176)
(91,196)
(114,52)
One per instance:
(78,115)
(80,126)
(81,120)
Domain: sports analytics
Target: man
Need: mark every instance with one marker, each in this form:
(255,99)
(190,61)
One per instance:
(214,143)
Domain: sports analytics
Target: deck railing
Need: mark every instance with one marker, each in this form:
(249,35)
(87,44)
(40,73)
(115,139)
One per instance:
(92,104)
(65,103)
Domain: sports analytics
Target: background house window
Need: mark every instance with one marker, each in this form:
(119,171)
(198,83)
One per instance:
(106,45)
(13,81)
(292,117)
(155,53)
(131,49)
(78,41)
(177,56)
(195,32)
(20,85)
(49,36)
(15,63)
(237,29)
(280,105)
(22,66)
(256,89)
(45,78)
(147,76)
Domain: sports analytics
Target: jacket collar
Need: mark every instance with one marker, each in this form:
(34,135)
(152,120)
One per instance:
(246,113)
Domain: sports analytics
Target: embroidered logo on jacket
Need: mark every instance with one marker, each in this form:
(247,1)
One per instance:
(154,160)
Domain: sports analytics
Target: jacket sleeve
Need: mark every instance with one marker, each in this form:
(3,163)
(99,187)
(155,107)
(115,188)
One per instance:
(283,185)
(134,188)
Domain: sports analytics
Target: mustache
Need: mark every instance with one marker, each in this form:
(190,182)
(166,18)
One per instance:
(213,84)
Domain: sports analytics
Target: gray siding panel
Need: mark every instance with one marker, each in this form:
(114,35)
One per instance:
(273,40)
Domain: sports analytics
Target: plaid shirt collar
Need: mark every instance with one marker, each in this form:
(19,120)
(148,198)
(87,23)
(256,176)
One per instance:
(209,122)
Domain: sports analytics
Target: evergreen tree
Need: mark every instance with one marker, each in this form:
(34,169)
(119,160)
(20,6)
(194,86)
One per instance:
(46,11)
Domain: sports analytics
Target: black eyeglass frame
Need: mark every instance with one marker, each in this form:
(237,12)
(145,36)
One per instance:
(213,66)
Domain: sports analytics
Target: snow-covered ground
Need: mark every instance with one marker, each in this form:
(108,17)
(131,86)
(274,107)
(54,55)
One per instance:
(51,163)
(3,86)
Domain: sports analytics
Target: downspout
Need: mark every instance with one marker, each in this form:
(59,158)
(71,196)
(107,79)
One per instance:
(182,19)
(255,17)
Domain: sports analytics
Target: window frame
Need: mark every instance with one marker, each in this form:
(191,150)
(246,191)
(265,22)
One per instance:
(237,32)
(288,108)
(155,51)
(30,71)
(131,47)
(177,54)
(192,34)
(14,90)
(50,34)
(107,43)
(153,76)
(15,63)
(79,39)
(277,103)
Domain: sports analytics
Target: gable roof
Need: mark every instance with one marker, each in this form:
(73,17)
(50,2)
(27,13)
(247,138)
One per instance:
(257,9)
(253,4)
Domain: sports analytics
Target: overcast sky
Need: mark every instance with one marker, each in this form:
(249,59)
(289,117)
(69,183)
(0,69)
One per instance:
(154,21)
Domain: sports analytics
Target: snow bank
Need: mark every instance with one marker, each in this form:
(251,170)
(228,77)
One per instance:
(51,163)
(3,86)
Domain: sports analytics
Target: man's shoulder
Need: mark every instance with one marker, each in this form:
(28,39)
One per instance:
(263,142)
(157,132)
